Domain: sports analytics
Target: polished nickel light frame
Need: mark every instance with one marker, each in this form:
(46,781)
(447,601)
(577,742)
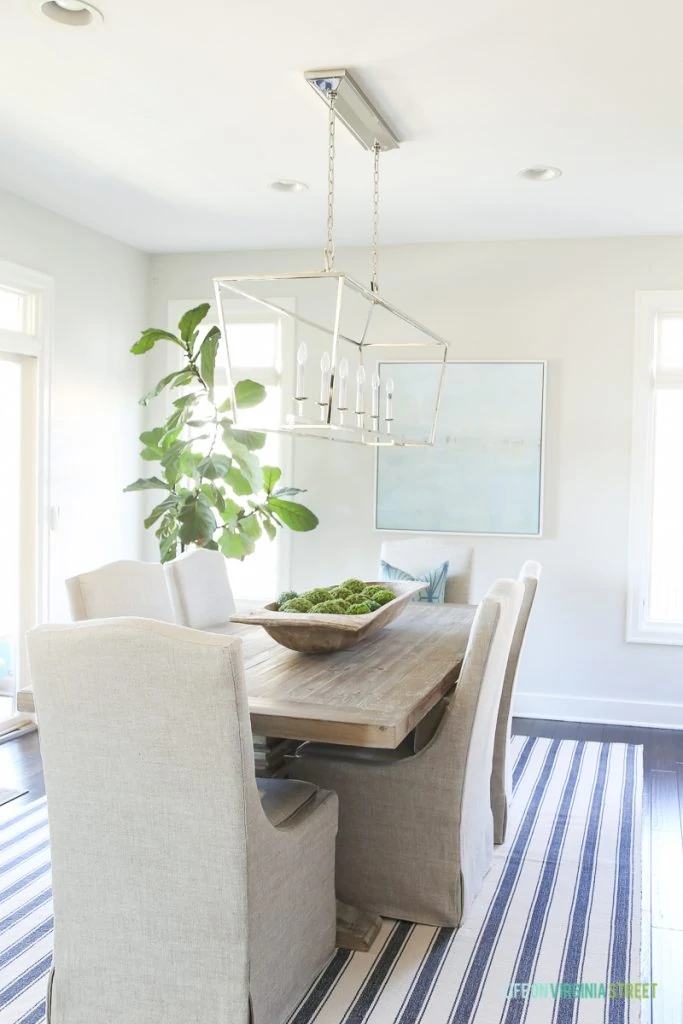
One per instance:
(346,102)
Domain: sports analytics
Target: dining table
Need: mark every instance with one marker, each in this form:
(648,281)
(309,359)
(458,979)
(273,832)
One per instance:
(370,695)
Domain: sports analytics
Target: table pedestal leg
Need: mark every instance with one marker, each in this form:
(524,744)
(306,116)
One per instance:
(356,929)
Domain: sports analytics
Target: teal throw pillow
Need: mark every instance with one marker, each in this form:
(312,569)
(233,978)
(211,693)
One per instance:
(435,580)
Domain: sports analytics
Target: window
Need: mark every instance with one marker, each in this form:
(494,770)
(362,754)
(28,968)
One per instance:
(655,612)
(256,344)
(24,301)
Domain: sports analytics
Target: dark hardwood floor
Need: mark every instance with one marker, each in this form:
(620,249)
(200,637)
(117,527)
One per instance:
(662,934)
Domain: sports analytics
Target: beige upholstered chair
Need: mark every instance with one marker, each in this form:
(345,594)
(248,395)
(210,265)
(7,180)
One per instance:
(421,554)
(120,588)
(180,888)
(200,589)
(501,775)
(416,835)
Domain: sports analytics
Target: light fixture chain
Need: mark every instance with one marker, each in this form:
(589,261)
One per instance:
(329,248)
(374,259)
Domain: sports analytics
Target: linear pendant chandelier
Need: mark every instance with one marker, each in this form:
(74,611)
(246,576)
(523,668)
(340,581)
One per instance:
(335,365)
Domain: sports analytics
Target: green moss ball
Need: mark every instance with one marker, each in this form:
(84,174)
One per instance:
(340,593)
(329,608)
(362,608)
(297,604)
(288,595)
(354,586)
(317,595)
(372,605)
(382,595)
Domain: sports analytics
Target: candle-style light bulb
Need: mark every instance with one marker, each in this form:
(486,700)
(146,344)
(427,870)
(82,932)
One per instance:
(389,408)
(342,403)
(301,357)
(360,395)
(325,365)
(375,401)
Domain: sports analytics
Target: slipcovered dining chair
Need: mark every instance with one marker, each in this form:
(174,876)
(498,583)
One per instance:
(200,590)
(120,588)
(420,555)
(416,833)
(501,774)
(182,891)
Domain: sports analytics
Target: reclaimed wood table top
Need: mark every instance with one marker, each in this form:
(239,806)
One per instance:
(370,695)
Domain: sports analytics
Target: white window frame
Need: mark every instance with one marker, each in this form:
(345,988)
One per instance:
(650,306)
(243,311)
(34,341)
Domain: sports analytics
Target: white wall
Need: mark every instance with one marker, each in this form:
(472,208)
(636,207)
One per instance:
(571,303)
(100,308)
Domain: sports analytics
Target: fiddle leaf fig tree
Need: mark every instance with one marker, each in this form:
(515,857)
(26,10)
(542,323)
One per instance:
(215,492)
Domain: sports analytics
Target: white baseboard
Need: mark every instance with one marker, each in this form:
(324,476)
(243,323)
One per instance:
(569,708)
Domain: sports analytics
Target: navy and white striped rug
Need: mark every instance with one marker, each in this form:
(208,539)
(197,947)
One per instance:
(561,907)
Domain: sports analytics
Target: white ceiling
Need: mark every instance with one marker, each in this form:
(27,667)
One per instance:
(164,127)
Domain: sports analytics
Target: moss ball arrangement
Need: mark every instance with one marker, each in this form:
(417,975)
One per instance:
(352,597)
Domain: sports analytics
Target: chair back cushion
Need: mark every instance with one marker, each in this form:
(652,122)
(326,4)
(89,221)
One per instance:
(435,580)
(421,555)
(200,589)
(145,740)
(121,588)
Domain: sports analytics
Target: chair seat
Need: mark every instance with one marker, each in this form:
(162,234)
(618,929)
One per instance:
(281,799)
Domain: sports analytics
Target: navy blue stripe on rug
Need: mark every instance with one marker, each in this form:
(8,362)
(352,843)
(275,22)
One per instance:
(10,821)
(572,961)
(29,977)
(19,947)
(317,996)
(35,1015)
(487,941)
(537,917)
(23,835)
(26,855)
(26,880)
(620,949)
(522,761)
(414,1004)
(379,975)
(27,908)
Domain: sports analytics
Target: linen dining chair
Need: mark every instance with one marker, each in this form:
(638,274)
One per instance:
(200,590)
(120,588)
(416,833)
(419,555)
(182,891)
(501,773)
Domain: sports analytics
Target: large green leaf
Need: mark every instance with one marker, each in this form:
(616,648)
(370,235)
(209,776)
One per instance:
(248,463)
(152,483)
(293,514)
(186,401)
(288,492)
(251,439)
(214,467)
(271,475)
(158,388)
(270,528)
(207,357)
(187,325)
(148,339)
(249,393)
(230,511)
(250,527)
(232,545)
(197,521)
(238,482)
(158,511)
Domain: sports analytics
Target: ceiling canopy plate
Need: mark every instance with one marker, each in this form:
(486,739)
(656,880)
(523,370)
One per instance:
(353,108)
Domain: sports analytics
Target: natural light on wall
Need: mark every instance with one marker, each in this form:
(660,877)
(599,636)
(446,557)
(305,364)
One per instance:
(656,557)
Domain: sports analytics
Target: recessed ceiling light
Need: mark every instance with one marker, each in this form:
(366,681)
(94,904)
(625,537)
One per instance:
(289,185)
(539,172)
(73,13)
